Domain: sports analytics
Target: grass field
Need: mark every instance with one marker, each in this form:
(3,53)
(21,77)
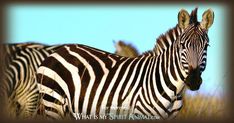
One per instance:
(201,106)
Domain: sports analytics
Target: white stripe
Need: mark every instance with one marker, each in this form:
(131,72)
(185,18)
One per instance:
(174,34)
(59,108)
(53,114)
(168,40)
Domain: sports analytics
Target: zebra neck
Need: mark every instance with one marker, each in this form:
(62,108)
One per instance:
(163,85)
(169,73)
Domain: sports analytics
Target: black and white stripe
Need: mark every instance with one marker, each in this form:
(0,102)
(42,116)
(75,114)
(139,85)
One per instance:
(19,86)
(81,79)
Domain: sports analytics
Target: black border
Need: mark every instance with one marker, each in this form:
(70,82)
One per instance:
(230,62)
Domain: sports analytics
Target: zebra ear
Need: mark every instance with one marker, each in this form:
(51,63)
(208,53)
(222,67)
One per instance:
(207,19)
(183,19)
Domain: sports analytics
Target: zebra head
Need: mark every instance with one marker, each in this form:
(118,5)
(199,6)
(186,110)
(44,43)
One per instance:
(193,43)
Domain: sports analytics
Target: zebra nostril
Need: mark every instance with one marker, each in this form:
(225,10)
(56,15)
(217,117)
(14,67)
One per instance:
(194,79)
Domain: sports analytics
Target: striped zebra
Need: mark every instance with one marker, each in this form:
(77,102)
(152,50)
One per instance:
(23,58)
(80,81)
(19,90)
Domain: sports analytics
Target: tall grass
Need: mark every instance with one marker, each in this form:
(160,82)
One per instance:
(202,106)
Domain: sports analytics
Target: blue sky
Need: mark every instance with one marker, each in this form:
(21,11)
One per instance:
(99,25)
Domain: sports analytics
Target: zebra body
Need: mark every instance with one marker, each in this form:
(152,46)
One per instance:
(19,87)
(78,79)
(109,85)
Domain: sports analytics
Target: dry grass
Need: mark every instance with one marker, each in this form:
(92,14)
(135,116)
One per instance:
(201,106)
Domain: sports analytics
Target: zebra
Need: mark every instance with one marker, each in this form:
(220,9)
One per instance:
(19,90)
(15,88)
(79,80)
(13,91)
(126,50)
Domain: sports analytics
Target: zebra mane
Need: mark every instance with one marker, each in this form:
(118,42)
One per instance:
(193,17)
(164,41)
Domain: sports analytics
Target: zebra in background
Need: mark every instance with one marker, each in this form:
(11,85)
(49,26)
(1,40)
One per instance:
(126,50)
(19,90)
(78,79)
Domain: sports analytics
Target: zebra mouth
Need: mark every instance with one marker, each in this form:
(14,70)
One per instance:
(194,80)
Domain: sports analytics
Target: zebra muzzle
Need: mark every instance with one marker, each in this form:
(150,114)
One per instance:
(194,80)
